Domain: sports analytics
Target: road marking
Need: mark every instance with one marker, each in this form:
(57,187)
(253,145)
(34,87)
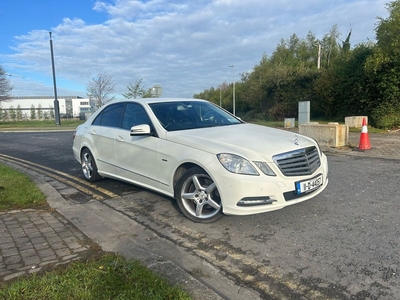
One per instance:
(81,183)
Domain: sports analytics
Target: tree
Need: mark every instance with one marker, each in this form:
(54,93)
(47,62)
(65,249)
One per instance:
(40,112)
(360,80)
(13,114)
(19,113)
(52,113)
(100,89)
(384,69)
(387,32)
(5,87)
(346,44)
(5,115)
(33,112)
(330,47)
(222,94)
(46,115)
(345,89)
(296,52)
(137,90)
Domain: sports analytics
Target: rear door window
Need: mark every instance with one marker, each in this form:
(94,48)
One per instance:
(111,116)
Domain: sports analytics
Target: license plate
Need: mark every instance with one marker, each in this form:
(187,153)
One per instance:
(308,185)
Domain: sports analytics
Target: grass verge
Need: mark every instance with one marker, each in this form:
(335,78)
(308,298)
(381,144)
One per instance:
(66,124)
(17,191)
(110,277)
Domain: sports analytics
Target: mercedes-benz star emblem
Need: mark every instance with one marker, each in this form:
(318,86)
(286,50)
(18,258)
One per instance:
(296,140)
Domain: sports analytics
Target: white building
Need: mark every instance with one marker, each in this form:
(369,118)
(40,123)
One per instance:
(69,106)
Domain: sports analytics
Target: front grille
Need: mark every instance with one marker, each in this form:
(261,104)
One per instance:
(299,162)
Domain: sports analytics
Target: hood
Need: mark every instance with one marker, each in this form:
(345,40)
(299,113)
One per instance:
(251,141)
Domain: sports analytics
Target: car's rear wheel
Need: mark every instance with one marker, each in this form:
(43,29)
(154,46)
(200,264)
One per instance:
(89,167)
(198,197)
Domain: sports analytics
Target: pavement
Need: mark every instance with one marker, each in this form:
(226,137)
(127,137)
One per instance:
(36,240)
(383,145)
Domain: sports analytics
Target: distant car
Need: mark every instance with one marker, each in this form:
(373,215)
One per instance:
(210,161)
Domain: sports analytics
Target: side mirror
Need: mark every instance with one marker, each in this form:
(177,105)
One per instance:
(142,129)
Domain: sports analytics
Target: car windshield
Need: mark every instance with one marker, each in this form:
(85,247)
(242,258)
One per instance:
(183,115)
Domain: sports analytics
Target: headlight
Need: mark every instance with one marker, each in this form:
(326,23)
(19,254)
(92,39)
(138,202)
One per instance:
(236,164)
(264,168)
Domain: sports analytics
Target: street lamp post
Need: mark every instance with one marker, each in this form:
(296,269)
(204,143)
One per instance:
(56,104)
(233,76)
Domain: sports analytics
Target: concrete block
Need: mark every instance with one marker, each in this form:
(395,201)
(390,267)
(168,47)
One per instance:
(290,122)
(355,121)
(331,135)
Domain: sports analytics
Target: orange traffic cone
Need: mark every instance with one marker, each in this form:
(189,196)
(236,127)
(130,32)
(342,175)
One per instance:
(364,138)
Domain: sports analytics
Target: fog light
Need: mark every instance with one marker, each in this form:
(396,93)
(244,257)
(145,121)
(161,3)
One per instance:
(253,201)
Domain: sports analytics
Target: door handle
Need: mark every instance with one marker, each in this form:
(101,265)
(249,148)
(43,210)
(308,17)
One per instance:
(120,138)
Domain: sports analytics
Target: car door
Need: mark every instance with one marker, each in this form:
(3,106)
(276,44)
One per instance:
(137,156)
(103,132)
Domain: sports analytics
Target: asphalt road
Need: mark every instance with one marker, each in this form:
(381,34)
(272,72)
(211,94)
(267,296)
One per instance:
(343,244)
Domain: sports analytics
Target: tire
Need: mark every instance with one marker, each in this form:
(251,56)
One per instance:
(89,167)
(198,197)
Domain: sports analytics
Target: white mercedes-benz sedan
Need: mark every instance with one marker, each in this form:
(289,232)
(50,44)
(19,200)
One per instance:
(210,161)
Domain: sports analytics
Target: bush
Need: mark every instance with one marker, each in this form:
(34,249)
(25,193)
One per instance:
(282,110)
(387,121)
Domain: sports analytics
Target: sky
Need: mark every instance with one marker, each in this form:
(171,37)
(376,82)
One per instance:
(183,46)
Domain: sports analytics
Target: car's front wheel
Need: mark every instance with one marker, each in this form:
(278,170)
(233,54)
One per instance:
(89,167)
(198,197)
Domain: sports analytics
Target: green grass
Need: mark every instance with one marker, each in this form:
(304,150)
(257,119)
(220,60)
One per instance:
(17,191)
(41,125)
(276,124)
(110,277)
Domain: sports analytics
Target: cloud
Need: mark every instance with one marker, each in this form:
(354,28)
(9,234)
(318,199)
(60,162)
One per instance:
(185,47)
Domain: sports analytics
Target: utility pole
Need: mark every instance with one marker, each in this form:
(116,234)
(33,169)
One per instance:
(56,104)
(319,56)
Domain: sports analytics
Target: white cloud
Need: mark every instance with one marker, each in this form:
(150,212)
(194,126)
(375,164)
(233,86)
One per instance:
(185,47)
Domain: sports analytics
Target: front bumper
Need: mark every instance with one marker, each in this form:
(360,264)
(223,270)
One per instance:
(272,192)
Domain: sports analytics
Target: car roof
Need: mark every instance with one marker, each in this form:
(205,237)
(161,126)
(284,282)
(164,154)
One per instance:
(156,100)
